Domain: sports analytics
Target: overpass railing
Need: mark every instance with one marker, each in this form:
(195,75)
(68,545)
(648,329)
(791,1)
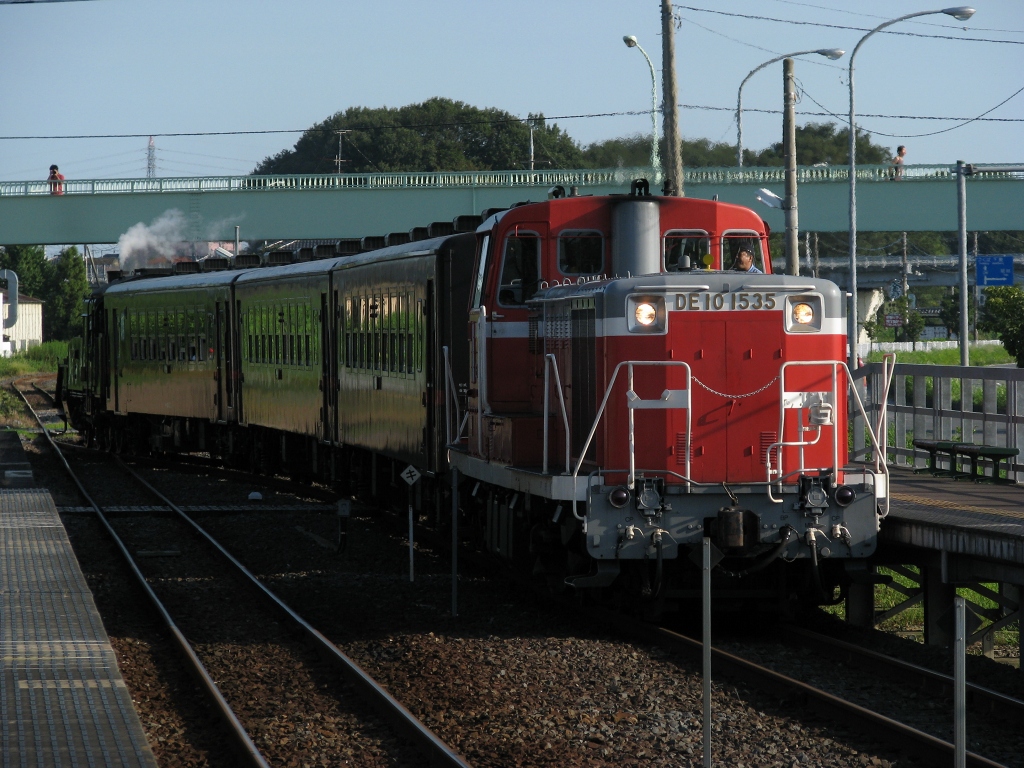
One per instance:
(941,402)
(470,179)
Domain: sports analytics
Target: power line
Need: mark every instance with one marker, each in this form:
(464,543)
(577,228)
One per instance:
(841,26)
(627,113)
(876,16)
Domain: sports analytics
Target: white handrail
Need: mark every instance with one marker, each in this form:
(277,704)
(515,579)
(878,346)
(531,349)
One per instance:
(549,358)
(604,403)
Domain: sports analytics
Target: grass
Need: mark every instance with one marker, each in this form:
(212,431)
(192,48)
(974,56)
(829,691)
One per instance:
(39,359)
(980,356)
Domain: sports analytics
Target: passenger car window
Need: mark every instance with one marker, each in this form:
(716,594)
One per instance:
(520,269)
(580,252)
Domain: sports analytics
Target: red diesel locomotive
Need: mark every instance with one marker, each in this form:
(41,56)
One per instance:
(611,379)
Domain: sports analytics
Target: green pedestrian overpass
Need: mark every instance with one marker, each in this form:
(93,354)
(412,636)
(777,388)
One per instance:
(330,206)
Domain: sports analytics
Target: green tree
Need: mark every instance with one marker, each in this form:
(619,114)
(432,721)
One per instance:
(29,263)
(65,297)
(949,311)
(822,143)
(912,325)
(1004,314)
(437,135)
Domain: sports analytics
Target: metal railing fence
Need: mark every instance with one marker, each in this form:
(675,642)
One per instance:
(942,402)
(469,179)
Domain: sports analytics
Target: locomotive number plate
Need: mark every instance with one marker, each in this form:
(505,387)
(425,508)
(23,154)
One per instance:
(706,301)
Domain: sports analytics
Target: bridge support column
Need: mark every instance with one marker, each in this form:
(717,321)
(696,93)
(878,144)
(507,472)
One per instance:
(860,605)
(938,606)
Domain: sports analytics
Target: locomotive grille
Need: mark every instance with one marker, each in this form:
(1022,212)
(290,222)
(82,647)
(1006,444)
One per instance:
(534,346)
(767,438)
(583,322)
(680,448)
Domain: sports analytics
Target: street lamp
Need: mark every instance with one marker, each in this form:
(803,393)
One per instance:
(831,53)
(630,41)
(961,13)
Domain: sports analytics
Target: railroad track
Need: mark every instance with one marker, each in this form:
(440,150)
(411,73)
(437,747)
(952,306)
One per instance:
(738,666)
(210,588)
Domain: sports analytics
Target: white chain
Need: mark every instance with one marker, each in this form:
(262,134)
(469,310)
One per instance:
(734,397)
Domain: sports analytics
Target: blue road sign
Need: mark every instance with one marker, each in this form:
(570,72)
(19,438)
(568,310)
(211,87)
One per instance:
(994,270)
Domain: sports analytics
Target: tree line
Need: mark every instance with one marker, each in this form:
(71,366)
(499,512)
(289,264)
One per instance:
(60,283)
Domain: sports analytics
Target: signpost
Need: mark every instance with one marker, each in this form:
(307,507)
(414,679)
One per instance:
(410,474)
(893,321)
(993,270)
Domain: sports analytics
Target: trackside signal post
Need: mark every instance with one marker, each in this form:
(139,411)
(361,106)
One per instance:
(410,474)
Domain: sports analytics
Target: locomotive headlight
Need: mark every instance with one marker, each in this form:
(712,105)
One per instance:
(645,314)
(803,313)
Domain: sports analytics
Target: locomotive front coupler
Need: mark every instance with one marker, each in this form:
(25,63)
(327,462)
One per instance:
(814,494)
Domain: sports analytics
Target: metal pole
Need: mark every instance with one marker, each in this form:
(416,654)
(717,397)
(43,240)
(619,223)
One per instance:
(670,97)
(455,542)
(961,217)
(237,228)
(960,14)
(977,288)
(789,144)
(960,684)
(411,543)
(706,647)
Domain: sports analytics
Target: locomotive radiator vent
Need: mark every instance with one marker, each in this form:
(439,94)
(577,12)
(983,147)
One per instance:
(467,222)
(418,233)
(372,242)
(767,439)
(397,238)
(247,260)
(349,246)
(441,229)
(325,251)
(280,258)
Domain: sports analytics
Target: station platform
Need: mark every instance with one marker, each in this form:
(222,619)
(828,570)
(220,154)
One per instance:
(980,521)
(63,701)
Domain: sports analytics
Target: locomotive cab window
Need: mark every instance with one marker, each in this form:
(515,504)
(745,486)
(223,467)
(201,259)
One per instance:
(520,269)
(735,245)
(580,252)
(686,250)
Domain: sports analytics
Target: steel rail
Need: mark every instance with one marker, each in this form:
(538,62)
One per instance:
(936,751)
(246,748)
(429,744)
(982,699)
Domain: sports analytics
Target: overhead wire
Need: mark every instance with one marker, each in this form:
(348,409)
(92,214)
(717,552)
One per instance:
(876,16)
(842,26)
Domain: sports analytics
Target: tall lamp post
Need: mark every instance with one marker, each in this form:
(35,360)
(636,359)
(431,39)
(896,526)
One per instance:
(630,41)
(831,53)
(961,13)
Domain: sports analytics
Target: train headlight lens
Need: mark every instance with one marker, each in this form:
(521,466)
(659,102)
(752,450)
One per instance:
(619,497)
(803,314)
(645,314)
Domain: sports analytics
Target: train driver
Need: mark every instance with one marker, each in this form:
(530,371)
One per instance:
(745,262)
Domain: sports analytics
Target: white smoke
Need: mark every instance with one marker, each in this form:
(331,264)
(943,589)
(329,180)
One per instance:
(160,244)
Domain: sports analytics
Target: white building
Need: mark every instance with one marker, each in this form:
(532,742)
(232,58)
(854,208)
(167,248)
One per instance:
(28,330)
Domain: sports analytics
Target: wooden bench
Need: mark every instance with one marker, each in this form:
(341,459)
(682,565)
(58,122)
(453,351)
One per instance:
(961,453)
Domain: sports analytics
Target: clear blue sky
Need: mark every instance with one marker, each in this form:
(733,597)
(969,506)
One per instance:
(162,66)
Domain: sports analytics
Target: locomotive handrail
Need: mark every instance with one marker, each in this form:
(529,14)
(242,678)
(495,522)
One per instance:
(630,407)
(451,395)
(549,358)
(835,365)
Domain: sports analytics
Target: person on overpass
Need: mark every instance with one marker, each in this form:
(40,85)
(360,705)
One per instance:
(55,179)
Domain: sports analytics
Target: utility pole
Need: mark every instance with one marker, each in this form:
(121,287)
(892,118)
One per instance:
(906,276)
(977,288)
(151,160)
(670,98)
(789,144)
(338,161)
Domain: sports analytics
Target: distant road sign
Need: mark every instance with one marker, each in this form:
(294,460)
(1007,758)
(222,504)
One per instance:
(929,311)
(893,321)
(994,270)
